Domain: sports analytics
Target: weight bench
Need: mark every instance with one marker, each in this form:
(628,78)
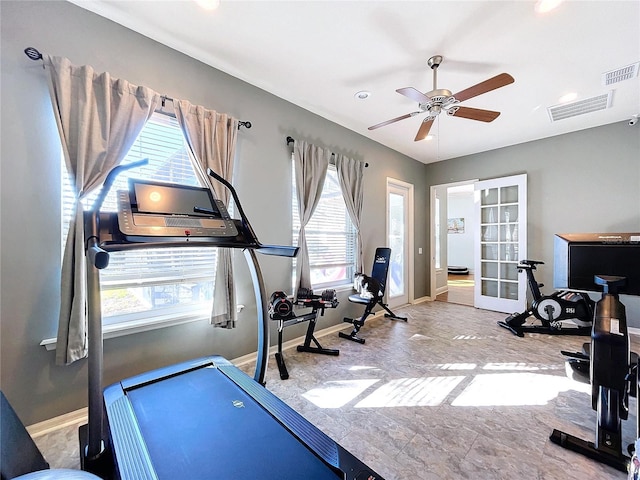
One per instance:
(379,272)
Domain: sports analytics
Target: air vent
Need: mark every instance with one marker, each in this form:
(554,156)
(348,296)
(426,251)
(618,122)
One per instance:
(580,107)
(620,74)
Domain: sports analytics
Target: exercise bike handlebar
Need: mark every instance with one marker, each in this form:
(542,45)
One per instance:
(529,263)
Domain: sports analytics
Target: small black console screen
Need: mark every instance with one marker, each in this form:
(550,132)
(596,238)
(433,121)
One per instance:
(166,199)
(151,210)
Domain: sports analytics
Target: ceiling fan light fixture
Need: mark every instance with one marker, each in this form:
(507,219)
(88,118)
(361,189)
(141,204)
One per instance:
(362,95)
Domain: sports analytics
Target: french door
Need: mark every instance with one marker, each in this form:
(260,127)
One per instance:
(399,239)
(501,241)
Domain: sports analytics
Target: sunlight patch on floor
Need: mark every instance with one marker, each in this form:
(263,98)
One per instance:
(519,366)
(411,392)
(336,394)
(417,336)
(511,389)
(473,337)
(360,368)
(456,366)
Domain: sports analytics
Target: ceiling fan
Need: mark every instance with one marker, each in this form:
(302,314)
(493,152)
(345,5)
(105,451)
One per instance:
(441,100)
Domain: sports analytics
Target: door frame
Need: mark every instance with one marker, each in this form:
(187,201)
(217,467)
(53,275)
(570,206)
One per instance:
(443,236)
(409,232)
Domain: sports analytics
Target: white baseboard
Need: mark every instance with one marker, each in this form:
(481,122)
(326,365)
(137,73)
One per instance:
(443,289)
(78,417)
(421,300)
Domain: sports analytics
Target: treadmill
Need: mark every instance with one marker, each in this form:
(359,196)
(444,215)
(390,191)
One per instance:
(205,418)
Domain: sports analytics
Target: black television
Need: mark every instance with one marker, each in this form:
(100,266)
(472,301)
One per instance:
(578,257)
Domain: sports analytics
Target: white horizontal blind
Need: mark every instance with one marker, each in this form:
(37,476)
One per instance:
(331,236)
(153,282)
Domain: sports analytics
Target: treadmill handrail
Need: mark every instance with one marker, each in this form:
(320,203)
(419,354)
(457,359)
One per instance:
(236,200)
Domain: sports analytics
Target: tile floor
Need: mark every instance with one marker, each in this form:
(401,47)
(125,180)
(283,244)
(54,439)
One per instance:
(446,395)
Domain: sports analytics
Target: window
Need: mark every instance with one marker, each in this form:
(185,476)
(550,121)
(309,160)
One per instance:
(161,283)
(331,236)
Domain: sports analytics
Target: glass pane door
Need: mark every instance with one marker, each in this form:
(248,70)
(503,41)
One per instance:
(501,211)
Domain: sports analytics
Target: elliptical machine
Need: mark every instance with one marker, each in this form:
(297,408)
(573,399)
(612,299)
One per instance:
(612,374)
(551,310)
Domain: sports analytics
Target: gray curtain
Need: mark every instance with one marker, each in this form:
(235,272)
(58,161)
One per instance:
(311,163)
(350,175)
(211,137)
(98,118)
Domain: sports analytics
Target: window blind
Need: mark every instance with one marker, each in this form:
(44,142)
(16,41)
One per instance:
(152,279)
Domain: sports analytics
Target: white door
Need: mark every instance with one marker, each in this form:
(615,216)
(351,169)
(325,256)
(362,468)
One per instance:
(399,238)
(501,240)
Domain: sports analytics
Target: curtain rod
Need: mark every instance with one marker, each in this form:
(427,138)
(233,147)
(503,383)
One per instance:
(34,54)
(291,140)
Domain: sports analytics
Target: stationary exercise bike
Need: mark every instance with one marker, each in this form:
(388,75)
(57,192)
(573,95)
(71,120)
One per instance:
(612,374)
(552,309)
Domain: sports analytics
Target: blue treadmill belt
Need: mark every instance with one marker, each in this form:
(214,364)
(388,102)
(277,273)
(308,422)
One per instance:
(200,425)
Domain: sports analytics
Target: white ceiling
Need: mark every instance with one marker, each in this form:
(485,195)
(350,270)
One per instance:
(318,54)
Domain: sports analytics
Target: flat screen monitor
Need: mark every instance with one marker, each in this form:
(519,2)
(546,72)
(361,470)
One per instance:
(579,257)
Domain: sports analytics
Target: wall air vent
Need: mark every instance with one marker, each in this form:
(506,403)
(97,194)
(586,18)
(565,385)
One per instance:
(620,74)
(580,107)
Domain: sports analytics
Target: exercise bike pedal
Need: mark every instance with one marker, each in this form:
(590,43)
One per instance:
(353,338)
(505,324)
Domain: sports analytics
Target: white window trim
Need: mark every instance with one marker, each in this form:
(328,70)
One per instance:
(144,325)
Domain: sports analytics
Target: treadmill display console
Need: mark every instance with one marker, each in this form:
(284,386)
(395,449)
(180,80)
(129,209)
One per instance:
(169,210)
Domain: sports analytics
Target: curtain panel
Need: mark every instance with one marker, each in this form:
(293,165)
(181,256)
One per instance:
(351,175)
(98,118)
(212,137)
(310,164)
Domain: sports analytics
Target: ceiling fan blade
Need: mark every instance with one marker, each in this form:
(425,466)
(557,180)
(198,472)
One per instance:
(413,94)
(484,87)
(476,114)
(393,120)
(423,131)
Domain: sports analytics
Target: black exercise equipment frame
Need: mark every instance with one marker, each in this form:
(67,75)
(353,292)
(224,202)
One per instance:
(103,236)
(380,273)
(556,307)
(317,303)
(610,386)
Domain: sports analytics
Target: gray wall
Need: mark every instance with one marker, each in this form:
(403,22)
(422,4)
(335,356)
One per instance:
(587,181)
(30,191)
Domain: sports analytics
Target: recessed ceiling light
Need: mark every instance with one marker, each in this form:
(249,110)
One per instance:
(362,95)
(545,6)
(568,97)
(208,4)
(430,137)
